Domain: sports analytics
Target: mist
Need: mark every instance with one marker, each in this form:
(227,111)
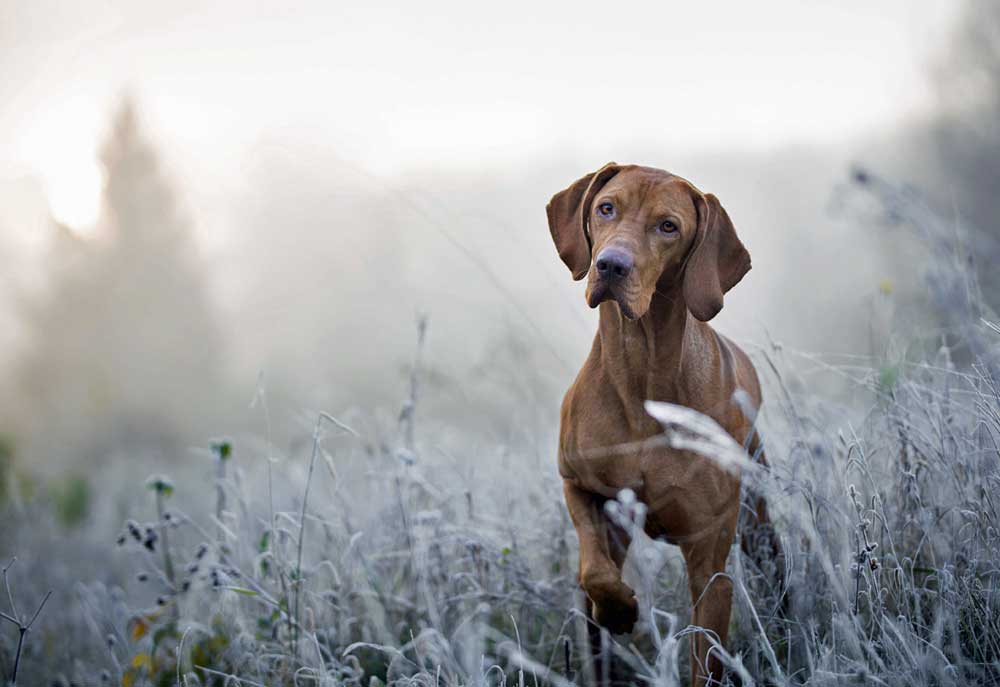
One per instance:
(298,270)
(405,271)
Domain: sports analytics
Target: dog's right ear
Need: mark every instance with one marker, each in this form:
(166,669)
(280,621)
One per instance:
(718,259)
(569,213)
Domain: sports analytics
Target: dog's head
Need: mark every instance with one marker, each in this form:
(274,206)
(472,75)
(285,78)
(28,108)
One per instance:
(635,230)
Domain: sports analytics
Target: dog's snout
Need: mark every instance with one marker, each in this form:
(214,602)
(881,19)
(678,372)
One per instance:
(613,263)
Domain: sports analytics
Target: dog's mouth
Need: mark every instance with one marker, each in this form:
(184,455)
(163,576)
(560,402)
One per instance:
(601,291)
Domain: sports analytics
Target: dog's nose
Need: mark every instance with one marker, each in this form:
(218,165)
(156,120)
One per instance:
(613,263)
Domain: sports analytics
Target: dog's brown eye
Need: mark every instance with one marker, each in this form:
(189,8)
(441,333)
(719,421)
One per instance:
(668,227)
(606,209)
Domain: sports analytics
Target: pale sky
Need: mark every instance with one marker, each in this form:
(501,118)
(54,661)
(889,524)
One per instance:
(396,86)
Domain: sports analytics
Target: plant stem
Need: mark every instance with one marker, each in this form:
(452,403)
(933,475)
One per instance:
(302,517)
(17,655)
(168,564)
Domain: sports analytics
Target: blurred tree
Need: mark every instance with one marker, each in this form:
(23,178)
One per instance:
(953,158)
(123,342)
(966,136)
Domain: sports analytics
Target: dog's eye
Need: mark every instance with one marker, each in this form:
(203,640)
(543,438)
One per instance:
(606,209)
(668,227)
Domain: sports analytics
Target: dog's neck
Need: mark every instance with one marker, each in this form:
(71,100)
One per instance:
(644,357)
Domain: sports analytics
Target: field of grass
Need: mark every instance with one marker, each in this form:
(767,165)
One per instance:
(409,553)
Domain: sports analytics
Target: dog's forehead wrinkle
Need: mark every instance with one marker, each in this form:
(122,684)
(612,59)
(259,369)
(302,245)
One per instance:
(648,190)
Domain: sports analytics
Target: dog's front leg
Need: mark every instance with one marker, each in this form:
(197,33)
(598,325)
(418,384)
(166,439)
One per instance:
(711,597)
(601,558)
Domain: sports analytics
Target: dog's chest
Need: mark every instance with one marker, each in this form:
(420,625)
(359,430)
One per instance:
(683,491)
(602,454)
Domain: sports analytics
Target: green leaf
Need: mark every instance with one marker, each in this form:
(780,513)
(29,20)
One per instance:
(242,590)
(160,484)
(888,376)
(167,632)
(223,449)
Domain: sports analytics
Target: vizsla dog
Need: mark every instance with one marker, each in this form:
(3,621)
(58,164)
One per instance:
(658,255)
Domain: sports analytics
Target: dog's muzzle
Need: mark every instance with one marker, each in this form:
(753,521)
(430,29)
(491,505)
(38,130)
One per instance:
(614,266)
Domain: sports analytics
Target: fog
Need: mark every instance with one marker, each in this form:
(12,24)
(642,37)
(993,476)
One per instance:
(278,201)
(294,263)
(299,255)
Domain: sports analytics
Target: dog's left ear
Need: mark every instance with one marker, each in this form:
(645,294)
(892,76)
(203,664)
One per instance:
(568,213)
(718,259)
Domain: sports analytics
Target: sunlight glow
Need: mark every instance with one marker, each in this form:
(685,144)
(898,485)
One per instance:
(60,147)
(74,193)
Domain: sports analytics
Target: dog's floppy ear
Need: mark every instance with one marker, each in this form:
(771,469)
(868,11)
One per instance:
(717,260)
(568,213)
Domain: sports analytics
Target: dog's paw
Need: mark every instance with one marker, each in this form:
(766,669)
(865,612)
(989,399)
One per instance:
(619,616)
(614,605)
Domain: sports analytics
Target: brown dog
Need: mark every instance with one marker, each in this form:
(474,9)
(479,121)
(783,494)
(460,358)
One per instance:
(658,255)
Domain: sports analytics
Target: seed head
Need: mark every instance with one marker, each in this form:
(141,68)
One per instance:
(133,529)
(150,540)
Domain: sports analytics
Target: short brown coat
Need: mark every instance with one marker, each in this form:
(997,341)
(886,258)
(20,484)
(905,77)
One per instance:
(653,343)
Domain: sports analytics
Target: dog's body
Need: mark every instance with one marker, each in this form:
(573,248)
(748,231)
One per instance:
(663,256)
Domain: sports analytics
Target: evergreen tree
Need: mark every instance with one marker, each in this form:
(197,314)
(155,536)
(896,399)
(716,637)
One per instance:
(124,341)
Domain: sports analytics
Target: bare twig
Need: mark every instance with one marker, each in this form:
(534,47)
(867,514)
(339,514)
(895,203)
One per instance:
(10,596)
(22,627)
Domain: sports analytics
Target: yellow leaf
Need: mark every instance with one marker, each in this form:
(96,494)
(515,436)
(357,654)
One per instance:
(885,286)
(140,625)
(137,628)
(142,661)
